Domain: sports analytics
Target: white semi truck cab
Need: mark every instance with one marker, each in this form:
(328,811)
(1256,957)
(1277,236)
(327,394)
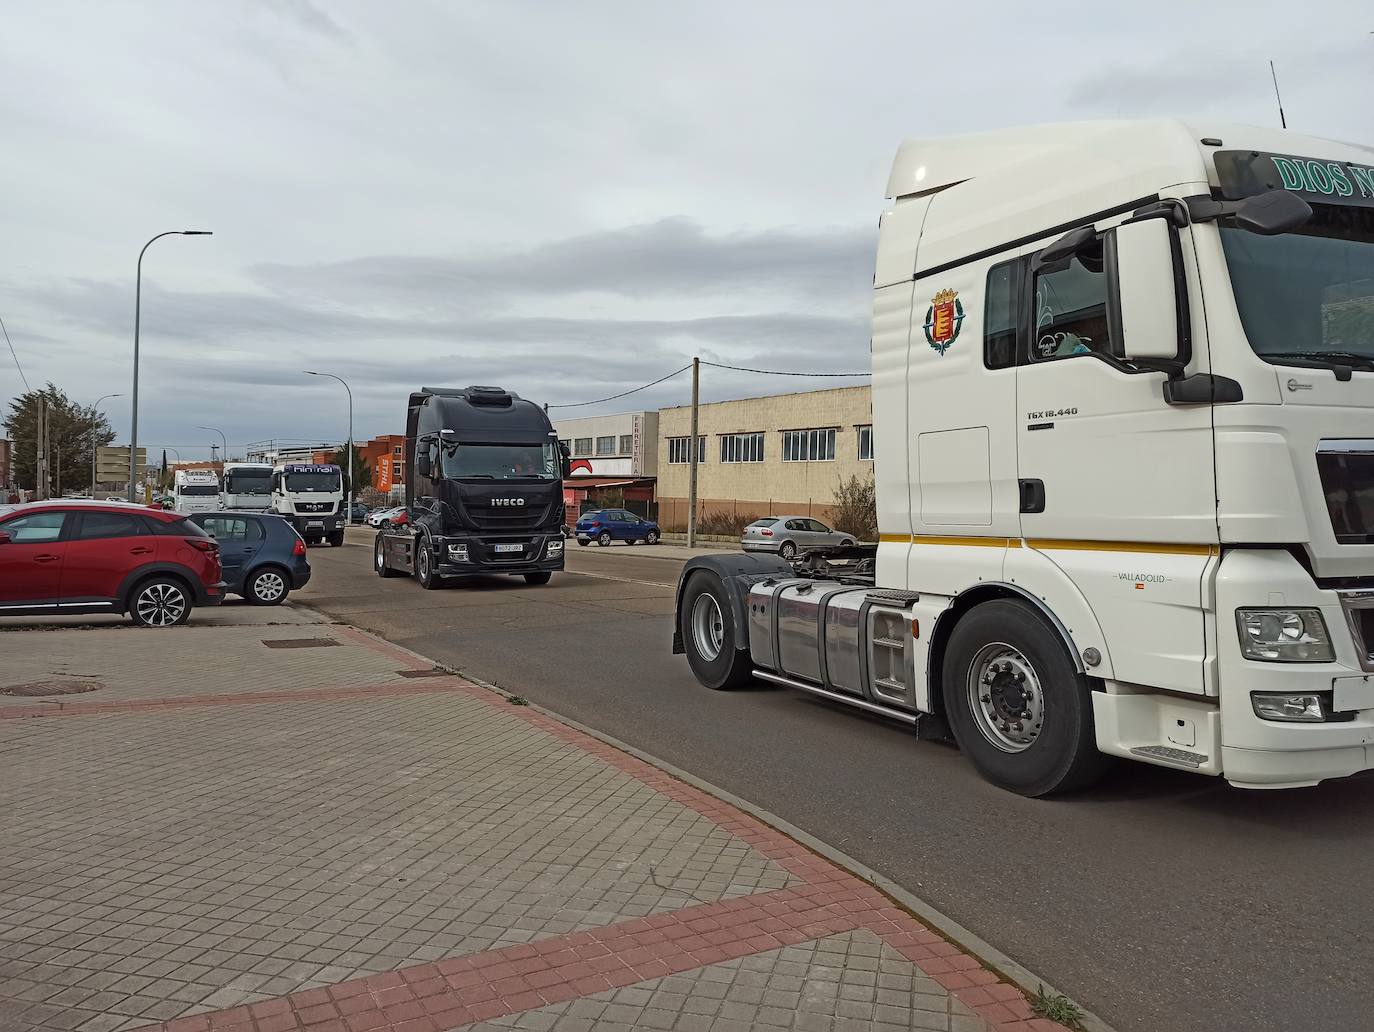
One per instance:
(247,487)
(195,490)
(1123,399)
(310,496)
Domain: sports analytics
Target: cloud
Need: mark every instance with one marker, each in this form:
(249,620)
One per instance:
(308,16)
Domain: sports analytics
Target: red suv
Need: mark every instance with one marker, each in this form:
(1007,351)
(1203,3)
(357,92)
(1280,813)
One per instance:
(106,557)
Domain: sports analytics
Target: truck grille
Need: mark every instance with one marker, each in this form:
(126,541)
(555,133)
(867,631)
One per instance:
(1347,475)
(1359,613)
(502,520)
(314,506)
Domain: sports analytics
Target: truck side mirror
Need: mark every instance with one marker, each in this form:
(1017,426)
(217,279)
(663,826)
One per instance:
(565,460)
(1146,285)
(422,466)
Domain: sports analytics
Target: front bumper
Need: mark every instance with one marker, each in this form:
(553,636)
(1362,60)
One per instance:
(536,553)
(1259,753)
(316,525)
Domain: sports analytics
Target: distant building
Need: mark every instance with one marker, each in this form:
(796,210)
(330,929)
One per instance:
(625,444)
(386,456)
(760,456)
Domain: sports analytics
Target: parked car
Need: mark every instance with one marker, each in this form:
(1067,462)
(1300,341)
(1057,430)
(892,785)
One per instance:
(788,535)
(606,525)
(358,513)
(62,557)
(264,559)
(381,517)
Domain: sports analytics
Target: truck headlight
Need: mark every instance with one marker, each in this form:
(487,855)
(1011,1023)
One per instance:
(1304,708)
(555,546)
(458,553)
(1284,635)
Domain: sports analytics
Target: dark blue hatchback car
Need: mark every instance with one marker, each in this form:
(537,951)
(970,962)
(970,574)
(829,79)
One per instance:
(606,525)
(264,559)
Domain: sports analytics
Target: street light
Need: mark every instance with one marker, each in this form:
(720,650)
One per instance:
(104,397)
(138,305)
(217,430)
(310,372)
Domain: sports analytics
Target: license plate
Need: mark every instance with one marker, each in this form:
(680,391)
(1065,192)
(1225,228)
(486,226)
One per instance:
(312,524)
(508,548)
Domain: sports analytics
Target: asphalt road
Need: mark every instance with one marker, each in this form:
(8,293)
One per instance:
(1163,901)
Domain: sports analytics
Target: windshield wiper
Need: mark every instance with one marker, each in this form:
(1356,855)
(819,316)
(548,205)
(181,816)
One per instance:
(1350,358)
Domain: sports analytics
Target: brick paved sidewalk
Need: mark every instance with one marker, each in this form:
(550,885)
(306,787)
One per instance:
(275,839)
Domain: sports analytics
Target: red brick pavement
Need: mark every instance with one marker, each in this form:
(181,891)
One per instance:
(476,987)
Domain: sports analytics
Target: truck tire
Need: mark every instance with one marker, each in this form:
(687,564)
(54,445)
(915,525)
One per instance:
(379,559)
(538,578)
(336,538)
(1017,706)
(706,621)
(424,566)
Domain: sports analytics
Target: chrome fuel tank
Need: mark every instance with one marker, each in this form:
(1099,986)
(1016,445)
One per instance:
(787,633)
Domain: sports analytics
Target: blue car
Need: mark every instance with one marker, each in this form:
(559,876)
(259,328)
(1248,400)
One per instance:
(606,525)
(264,559)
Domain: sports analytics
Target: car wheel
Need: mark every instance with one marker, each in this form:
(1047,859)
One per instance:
(379,558)
(160,602)
(267,586)
(424,565)
(604,538)
(651,538)
(846,543)
(787,550)
(1018,708)
(538,578)
(706,622)
(583,542)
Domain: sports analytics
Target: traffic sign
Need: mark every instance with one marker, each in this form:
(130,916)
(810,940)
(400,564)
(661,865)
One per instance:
(112,464)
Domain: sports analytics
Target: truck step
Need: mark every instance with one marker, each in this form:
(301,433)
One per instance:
(901,598)
(1170,755)
(889,643)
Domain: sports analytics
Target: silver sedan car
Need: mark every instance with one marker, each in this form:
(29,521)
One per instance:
(788,535)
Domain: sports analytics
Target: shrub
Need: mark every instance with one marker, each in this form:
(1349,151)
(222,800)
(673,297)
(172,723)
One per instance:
(855,510)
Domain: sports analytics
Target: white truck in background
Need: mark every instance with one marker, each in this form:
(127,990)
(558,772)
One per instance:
(247,487)
(195,490)
(310,496)
(1123,400)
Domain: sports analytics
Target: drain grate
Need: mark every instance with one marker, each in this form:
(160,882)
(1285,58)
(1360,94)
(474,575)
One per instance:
(423,673)
(299,643)
(42,689)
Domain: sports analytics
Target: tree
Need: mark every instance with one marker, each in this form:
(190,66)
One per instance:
(73,430)
(362,472)
(855,510)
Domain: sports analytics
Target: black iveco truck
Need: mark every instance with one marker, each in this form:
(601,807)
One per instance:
(484,489)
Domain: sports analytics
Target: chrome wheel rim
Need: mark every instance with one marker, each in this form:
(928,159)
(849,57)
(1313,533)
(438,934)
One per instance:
(1005,698)
(708,627)
(269,586)
(788,550)
(381,559)
(160,604)
(423,563)
(604,539)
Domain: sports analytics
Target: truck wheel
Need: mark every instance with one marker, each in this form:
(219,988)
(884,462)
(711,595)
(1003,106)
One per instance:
(604,538)
(379,559)
(1018,709)
(336,539)
(424,566)
(709,635)
(538,578)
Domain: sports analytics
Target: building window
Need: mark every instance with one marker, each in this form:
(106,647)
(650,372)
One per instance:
(808,445)
(741,448)
(605,445)
(396,471)
(627,444)
(865,443)
(396,450)
(582,446)
(679,451)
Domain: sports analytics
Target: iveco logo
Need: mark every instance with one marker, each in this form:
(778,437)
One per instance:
(508,501)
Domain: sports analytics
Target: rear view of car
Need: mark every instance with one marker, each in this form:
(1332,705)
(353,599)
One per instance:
(759,536)
(264,557)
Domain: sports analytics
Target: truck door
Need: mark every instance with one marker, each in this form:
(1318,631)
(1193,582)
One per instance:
(1117,486)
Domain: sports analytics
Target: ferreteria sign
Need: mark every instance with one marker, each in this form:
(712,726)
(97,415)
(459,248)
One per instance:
(1323,180)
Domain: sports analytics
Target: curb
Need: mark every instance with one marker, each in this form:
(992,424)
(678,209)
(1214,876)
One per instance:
(991,957)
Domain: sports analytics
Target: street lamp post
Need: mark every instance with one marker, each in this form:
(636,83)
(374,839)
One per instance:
(224,454)
(138,305)
(348,518)
(105,397)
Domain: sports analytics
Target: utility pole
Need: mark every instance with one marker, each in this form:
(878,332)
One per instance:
(40,486)
(59,473)
(692,445)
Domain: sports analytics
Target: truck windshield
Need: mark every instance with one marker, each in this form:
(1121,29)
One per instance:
(248,483)
(188,490)
(501,461)
(307,482)
(1308,294)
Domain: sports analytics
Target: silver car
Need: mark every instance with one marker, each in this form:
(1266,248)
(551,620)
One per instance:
(788,535)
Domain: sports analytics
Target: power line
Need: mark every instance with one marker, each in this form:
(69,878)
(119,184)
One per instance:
(27,388)
(778,372)
(623,394)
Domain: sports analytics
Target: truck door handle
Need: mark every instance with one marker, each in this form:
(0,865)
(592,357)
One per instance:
(1032,496)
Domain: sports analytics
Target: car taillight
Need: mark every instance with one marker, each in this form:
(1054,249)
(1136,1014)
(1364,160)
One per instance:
(594,524)
(766,533)
(203,544)
(299,547)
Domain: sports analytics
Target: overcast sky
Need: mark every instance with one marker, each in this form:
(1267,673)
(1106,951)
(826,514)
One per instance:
(567,199)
